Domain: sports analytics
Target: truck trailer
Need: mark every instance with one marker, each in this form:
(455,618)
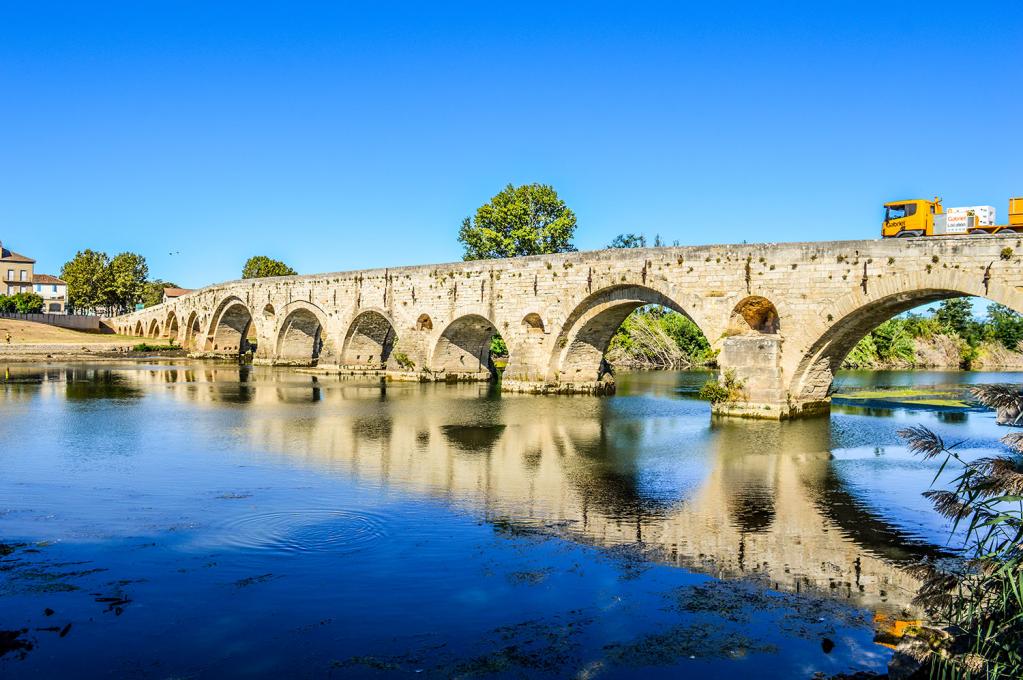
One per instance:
(920,217)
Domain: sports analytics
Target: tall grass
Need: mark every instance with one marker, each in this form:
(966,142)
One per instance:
(979,599)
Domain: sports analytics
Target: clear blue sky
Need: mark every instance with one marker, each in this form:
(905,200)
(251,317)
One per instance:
(338,136)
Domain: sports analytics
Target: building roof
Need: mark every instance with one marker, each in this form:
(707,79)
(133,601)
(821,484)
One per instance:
(176,292)
(8,255)
(46,278)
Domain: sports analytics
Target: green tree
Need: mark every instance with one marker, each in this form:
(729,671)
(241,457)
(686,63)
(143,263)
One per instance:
(629,240)
(127,281)
(8,305)
(956,315)
(261,267)
(1005,326)
(525,220)
(88,279)
(27,303)
(152,292)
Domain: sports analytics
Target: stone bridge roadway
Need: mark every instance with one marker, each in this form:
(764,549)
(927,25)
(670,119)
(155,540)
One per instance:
(782,316)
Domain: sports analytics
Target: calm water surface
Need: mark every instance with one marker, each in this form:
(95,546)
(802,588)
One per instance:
(211,520)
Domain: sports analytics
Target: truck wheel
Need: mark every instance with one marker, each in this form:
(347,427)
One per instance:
(907,234)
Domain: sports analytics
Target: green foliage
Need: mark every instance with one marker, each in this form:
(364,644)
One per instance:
(978,599)
(728,389)
(525,220)
(152,292)
(655,337)
(404,362)
(629,240)
(261,267)
(95,282)
(126,281)
(1005,326)
(28,303)
(498,347)
(21,303)
(87,276)
(893,341)
(146,347)
(956,316)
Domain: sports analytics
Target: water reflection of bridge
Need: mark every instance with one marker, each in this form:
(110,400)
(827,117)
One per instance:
(756,499)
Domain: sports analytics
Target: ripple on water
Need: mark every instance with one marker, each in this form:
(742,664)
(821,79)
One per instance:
(305,531)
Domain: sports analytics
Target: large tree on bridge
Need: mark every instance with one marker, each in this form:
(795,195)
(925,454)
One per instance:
(261,267)
(525,220)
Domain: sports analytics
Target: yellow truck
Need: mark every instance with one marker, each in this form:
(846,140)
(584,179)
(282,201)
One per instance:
(920,217)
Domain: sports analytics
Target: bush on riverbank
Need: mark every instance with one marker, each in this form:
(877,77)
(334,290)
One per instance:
(654,337)
(948,338)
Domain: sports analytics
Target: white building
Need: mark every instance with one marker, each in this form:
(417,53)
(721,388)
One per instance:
(53,291)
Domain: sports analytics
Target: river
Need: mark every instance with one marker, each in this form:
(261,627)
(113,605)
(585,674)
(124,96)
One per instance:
(211,520)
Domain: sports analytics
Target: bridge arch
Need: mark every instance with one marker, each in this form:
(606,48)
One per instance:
(369,340)
(852,317)
(302,338)
(578,354)
(463,348)
(754,314)
(139,330)
(154,329)
(229,328)
(193,329)
(170,326)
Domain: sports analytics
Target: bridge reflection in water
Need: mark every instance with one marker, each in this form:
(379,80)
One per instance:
(757,500)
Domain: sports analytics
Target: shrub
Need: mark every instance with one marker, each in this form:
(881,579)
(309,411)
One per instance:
(28,303)
(404,362)
(729,389)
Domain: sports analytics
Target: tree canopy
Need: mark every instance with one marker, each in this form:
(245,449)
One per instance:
(261,267)
(96,282)
(629,240)
(128,274)
(525,220)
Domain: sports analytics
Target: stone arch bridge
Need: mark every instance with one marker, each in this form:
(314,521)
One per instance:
(781,316)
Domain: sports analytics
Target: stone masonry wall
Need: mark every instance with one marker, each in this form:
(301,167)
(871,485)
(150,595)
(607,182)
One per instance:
(558,312)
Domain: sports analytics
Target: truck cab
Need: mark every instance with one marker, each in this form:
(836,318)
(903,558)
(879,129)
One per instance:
(914,217)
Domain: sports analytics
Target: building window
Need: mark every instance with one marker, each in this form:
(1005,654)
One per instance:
(10,277)
(23,273)
(38,288)
(54,288)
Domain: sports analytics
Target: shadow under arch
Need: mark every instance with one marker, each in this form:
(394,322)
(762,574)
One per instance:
(754,314)
(853,318)
(193,330)
(369,340)
(170,326)
(229,328)
(578,354)
(302,339)
(463,349)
